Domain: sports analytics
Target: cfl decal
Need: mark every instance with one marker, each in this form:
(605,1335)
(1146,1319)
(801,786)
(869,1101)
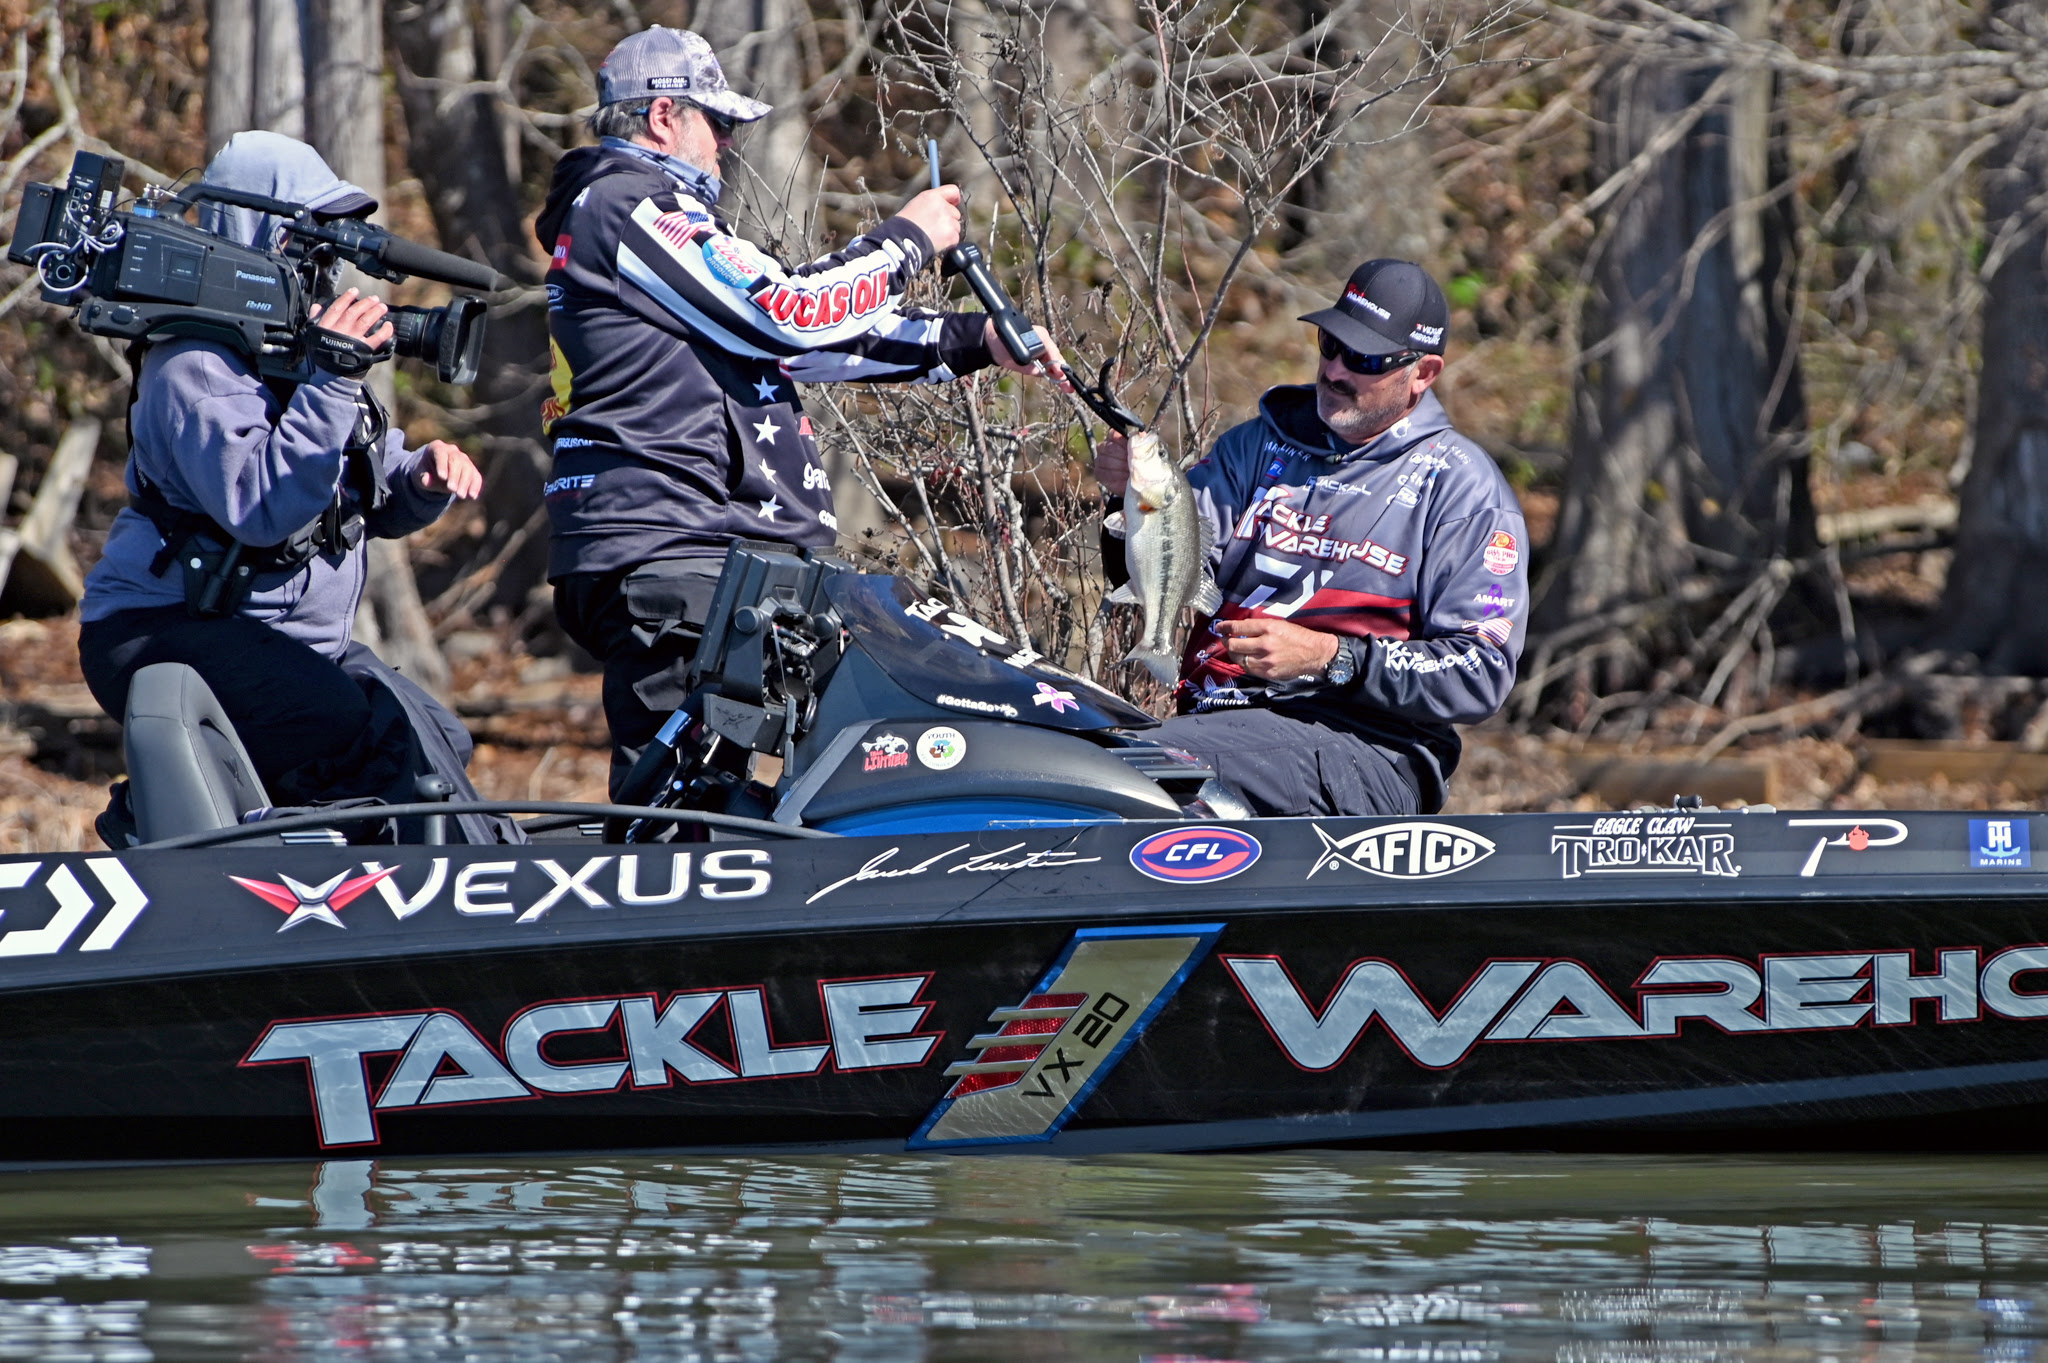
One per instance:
(34,929)
(825,306)
(1561,1000)
(642,1042)
(1196,856)
(1024,1079)
(1403,851)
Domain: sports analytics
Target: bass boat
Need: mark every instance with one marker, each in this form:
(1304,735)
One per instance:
(976,909)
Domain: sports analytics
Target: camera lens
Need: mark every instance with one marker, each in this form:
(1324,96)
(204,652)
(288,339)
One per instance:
(452,338)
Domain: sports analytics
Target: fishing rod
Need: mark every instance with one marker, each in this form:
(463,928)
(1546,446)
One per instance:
(1014,329)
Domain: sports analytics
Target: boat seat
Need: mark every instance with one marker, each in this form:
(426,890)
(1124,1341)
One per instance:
(187,771)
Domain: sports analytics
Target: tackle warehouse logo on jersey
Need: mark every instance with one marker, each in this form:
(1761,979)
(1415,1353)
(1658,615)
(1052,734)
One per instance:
(1403,851)
(1632,844)
(631,1041)
(1047,1054)
(43,918)
(825,306)
(2001,844)
(1563,1000)
(1196,856)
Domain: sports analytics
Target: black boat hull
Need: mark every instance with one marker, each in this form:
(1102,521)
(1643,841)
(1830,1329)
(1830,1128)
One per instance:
(1722,980)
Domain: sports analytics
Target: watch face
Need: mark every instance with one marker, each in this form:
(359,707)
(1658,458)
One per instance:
(1339,670)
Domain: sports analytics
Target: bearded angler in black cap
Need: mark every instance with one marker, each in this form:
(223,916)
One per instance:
(1372,563)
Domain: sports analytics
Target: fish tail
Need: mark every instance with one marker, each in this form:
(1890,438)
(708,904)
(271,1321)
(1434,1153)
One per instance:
(1161,664)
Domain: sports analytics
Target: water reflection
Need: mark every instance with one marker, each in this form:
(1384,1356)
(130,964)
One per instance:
(1302,1256)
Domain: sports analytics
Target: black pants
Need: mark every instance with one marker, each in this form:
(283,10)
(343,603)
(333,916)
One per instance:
(643,623)
(1281,766)
(316,730)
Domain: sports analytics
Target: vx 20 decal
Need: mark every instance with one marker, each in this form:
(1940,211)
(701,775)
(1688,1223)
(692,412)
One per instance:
(1032,1073)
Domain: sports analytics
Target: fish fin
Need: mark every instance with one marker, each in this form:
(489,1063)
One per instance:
(1114,523)
(1163,666)
(1208,596)
(1123,596)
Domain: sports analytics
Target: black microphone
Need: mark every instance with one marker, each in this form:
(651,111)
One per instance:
(413,258)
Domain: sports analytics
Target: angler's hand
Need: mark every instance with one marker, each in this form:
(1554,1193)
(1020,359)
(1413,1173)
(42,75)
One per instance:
(1275,650)
(1050,365)
(445,468)
(1113,464)
(360,317)
(937,212)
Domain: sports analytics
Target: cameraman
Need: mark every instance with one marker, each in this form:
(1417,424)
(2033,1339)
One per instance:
(677,349)
(297,474)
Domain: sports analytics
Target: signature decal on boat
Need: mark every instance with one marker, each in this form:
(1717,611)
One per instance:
(74,906)
(1560,1000)
(1858,835)
(1027,1077)
(1404,851)
(871,1024)
(1002,860)
(2001,844)
(1632,844)
(1196,856)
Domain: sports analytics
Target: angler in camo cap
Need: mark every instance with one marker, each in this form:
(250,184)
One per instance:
(677,347)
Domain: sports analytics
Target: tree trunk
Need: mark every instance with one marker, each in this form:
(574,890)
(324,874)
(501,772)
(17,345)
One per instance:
(454,145)
(2002,535)
(280,73)
(1689,446)
(230,70)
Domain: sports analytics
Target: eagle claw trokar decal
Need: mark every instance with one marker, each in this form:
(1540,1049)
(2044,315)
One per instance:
(1051,1051)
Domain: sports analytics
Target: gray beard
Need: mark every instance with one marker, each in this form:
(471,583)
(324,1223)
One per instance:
(1354,423)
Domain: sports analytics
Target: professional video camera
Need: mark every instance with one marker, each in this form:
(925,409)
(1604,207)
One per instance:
(140,274)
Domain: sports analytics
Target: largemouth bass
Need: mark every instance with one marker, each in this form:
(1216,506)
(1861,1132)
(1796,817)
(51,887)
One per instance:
(1166,549)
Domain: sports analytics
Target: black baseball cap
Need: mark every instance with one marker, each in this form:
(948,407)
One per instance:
(1389,305)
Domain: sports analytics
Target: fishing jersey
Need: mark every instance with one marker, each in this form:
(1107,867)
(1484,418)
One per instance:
(676,345)
(1413,543)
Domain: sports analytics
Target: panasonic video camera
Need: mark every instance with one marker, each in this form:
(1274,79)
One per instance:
(140,273)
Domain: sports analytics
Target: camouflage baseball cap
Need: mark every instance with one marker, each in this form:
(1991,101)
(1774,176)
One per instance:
(677,63)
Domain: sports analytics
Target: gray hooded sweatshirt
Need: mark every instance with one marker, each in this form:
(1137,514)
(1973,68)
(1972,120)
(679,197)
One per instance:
(211,437)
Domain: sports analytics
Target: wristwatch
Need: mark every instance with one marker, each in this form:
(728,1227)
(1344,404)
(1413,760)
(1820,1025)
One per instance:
(1342,667)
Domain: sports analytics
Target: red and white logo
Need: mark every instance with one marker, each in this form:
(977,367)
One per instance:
(304,902)
(1501,556)
(560,260)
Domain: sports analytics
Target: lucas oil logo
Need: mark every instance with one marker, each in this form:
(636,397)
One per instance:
(1195,856)
(825,306)
(1404,851)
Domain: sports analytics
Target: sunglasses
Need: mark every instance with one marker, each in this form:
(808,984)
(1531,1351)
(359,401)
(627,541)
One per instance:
(721,124)
(1334,349)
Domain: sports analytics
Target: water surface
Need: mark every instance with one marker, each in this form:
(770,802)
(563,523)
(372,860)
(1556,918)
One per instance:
(1310,1255)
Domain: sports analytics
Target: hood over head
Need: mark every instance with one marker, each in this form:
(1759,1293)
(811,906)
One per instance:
(277,167)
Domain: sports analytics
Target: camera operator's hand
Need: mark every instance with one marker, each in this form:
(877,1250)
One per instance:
(445,468)
(353,334)
(937,212)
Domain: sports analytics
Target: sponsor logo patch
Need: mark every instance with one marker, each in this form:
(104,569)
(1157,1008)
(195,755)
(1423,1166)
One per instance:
(1858,835)
(941,748)
(1633,844)
(733,261)
(560,259)
(1060,701)
(2001,844)
(1196,856)
(74,906)
(825,306)
(1500,554)
(1033,1071)
(1404,851)
(886,751)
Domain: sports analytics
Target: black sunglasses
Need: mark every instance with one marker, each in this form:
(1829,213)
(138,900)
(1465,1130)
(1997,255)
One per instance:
(721,124)
(1375,365)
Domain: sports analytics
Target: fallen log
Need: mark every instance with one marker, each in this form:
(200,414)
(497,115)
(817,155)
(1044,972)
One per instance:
(38,575)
